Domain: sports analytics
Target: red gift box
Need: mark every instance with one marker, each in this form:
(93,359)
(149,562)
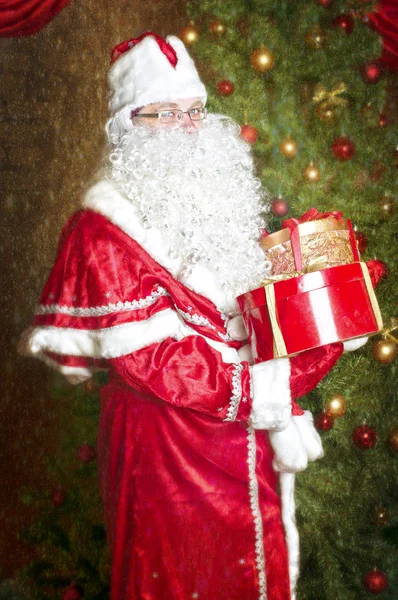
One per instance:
(311,310)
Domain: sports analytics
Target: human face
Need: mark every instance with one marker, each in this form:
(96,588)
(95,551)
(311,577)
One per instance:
(184,105)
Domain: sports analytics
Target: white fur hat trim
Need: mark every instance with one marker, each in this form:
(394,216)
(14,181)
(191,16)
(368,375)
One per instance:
(143,75)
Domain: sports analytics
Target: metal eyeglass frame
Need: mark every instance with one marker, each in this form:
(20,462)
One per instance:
(174,110)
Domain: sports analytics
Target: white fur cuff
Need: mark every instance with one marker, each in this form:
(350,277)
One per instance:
(271,400)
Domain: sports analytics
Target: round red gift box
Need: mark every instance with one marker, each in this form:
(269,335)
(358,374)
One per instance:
(310,310)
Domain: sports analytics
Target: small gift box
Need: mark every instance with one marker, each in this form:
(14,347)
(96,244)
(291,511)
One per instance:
(292,315)
(322,239)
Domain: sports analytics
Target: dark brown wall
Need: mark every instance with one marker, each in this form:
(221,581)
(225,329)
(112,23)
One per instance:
(53,108)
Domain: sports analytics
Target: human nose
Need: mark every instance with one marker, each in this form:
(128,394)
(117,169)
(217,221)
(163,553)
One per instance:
(187,122)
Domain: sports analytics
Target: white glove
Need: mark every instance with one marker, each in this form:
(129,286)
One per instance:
(245,353)
(296,445)
(236,328)
(290,455)
(351,345)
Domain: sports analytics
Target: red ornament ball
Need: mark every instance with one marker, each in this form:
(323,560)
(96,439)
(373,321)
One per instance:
(375,581)
(364,437)
(279,207)
(72,593)
(362,241)
(249,133)
(58,496)
(325,3)
(323,422)
(344,22)
(225,87)
(371,72)
(343,148)
(86,453)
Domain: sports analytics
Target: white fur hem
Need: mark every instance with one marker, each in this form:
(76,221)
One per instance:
(110,342)
(271,407)
(115,341)
(291,532)
(105,199)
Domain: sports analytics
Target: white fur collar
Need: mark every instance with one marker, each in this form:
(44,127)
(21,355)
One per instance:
(105,199)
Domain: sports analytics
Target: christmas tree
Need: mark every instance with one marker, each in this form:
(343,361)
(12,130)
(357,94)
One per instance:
(303,81)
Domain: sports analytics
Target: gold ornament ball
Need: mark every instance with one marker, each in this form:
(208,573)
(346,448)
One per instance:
(316,38)
(311,173)
(288,147)
(393,439)
(217,27)
(262,60)
(385,351)
(382,516)
(387,206)
(189,34)
(336,406)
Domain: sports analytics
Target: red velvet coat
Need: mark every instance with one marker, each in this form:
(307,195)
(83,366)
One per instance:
(188,484)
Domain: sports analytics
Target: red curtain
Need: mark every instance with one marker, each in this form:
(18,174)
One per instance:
(25,17)
(385,21)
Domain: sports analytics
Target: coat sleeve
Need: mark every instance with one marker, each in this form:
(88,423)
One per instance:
(189,373)
(310,367)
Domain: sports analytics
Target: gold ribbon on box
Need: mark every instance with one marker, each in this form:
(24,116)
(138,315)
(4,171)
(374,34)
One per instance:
(330,98)
(372,295)
(316,265)
(279,343)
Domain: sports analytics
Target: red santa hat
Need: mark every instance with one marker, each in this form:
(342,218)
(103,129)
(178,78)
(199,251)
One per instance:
(150,69)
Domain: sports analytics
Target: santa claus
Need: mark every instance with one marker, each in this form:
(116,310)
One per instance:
(197,447)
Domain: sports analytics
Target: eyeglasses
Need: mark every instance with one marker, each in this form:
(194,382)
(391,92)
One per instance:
(175,115)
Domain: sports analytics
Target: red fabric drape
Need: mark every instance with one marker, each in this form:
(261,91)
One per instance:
(385,21)
(25,17)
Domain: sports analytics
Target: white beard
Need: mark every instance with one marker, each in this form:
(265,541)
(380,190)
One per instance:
(199,190)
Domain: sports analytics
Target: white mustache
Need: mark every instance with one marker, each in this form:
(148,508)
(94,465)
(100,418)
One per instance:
(200,191)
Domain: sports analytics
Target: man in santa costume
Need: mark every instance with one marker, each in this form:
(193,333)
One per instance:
(197,447)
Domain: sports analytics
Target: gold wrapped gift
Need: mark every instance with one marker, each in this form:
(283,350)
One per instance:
(293,248)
